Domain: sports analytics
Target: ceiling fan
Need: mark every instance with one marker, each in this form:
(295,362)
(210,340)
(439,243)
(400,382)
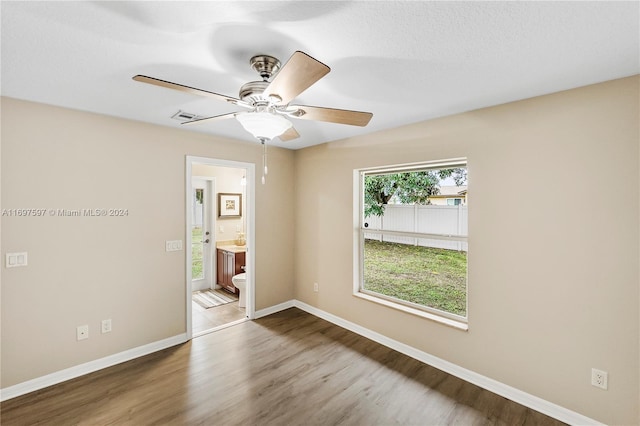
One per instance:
(268,102)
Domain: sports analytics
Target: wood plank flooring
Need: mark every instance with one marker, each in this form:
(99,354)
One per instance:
(289,368)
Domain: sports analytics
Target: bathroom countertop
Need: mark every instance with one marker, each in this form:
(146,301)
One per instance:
(233,248)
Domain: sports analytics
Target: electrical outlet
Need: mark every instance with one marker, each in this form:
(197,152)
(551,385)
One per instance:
(599,378)
(315,287)
(82,332)
(106,326)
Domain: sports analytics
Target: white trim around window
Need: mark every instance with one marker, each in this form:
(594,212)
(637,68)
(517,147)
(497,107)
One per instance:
(446,318)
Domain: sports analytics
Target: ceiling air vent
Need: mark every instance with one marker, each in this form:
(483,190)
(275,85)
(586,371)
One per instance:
(184,116)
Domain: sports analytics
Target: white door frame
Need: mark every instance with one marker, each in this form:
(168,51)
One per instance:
(249,208)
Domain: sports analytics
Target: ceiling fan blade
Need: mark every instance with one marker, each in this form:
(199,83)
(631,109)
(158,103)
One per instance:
(183,88)
(332,115)
(214,118)
(296,76)
(290,134)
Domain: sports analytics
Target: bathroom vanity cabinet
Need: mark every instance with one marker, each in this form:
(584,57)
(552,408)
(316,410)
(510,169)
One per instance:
(230,263)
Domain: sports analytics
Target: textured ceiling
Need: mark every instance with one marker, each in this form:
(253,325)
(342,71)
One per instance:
(403,61)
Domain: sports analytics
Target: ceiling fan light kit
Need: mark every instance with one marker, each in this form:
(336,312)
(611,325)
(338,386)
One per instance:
(264,124)
(268,102)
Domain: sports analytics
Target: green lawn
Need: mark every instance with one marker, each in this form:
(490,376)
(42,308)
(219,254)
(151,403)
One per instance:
(428,276)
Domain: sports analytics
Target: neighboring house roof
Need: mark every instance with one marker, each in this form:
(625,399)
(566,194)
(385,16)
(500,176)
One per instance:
(453,190)
(446,191)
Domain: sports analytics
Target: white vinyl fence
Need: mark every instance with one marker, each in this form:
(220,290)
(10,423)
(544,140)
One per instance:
(443,220)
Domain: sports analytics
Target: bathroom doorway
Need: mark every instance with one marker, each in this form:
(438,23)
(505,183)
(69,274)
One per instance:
(219,231)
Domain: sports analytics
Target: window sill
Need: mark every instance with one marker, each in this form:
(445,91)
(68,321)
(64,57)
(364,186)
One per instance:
(459,325)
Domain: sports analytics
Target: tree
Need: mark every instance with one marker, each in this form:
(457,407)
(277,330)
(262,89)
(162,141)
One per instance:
(407,187)
(199,195)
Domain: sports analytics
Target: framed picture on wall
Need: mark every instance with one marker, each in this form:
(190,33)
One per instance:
(229,205)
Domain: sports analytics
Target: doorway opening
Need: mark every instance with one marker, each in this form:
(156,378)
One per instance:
(220,234)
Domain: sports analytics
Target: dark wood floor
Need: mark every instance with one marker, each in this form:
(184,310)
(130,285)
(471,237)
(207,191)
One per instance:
(289,368)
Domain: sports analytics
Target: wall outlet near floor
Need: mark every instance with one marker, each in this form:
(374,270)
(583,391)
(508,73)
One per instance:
(106,326)
(82,332)
(599,378)
(315,287)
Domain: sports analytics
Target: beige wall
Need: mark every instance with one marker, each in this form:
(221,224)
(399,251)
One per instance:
(85,269)
(553,285)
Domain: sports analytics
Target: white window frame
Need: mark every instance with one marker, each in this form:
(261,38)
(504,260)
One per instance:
(447,318)
(454,201)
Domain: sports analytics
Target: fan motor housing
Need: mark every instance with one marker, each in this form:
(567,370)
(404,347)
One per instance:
(251,92)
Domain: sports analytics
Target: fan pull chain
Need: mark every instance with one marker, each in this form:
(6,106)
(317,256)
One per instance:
(265,170)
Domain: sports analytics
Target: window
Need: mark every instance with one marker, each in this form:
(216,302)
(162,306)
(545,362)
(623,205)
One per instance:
(197,245)
(412,253)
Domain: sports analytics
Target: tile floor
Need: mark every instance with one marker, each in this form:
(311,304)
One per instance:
(205,319)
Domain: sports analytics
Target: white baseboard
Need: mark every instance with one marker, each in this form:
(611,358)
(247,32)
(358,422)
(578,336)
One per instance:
(88,367)
(273,309)
(523,398)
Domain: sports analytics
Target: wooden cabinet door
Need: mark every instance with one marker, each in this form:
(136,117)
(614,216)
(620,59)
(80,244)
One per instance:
(229,268)
(220,267)
(228,265)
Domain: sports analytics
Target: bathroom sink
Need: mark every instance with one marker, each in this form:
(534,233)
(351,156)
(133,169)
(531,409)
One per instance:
(233,248)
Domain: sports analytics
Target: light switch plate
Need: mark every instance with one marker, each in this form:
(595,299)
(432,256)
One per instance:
(14,260)
(173,245)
